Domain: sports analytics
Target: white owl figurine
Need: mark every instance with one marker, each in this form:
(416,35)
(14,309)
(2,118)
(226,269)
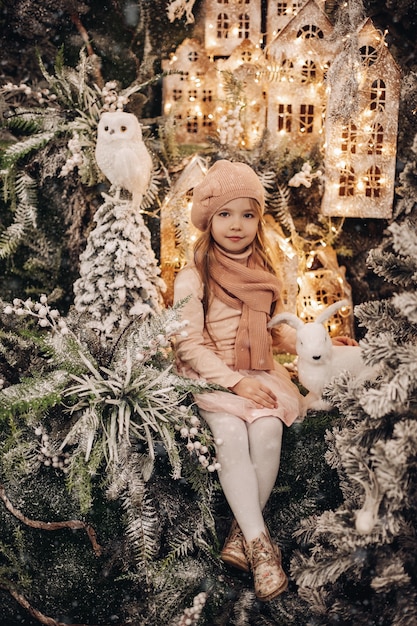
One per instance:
(122,155)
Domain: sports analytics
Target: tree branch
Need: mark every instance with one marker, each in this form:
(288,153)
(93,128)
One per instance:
(73,524)
(43,619)
(84,36)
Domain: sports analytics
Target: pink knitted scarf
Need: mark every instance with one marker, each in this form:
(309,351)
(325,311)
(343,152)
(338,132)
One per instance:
(252,289)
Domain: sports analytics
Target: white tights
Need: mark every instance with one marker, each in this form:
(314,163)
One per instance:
(249,456)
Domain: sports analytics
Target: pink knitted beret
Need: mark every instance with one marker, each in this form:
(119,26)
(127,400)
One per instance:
(224,181)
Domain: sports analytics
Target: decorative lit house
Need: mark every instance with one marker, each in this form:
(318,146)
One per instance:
(298,59)
(360,153)
(177,233)
(241,89)
(279,13)
(189,92)
(228,22)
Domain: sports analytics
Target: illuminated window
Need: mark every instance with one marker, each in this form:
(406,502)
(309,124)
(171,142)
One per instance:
(310,31)
(207,122)
(192,124)
(207,95)
(244,23)
(193,56)
(308,72)
(369,55)
(306,118)
(284,117)
(377,139)
(322,297)
(222,26)
(281,8)
(378,95)
(347,182)
(192,95)
(176,94)
(373,182)
(287,69)
(349,138)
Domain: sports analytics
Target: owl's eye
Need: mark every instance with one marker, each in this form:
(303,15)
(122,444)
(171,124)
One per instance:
(123,129)
(106,128)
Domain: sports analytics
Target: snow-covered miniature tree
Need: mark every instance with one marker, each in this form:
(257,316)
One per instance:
(361,567)
(119,274)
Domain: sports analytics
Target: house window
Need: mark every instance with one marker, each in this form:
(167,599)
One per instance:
(373,182)
(308,72)
(244,1)
(192,95)
(378,95)
(369,55)
(287,70)
(246,56)
(376,141)
(176,94)
(183,75)
(310,31)
(349,138)
(306,118)
(207,95)
(284,117)
(222,26)
(207,122)
(192,124)
(193,56)
(326,67)
(222,1)
(347,182)
(281,8)
(244,24)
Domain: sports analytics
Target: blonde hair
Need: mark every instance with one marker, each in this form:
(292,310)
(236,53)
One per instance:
(203,252)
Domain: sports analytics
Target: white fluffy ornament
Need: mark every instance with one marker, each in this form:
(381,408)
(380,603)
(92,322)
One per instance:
(122,155)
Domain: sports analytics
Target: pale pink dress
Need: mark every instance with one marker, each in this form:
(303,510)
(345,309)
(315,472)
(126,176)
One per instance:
(199,357)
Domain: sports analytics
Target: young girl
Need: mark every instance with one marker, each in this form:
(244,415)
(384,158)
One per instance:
(233,290)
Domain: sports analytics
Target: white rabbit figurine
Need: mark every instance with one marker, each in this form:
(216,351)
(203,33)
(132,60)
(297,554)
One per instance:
(318,359)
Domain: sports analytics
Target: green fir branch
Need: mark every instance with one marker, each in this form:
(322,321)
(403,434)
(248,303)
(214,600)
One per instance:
(34,395)
(19,150)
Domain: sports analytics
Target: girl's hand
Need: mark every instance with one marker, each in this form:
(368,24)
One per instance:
(253,389)
(344,341)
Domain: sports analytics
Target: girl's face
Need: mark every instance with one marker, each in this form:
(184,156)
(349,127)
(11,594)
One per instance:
(234,226)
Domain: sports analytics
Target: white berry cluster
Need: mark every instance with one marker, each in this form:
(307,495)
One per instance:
(112,101)
(193,434)
(230,128)
(75,158)
(47,317)
(42,96)
(193,614)
(48,455)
